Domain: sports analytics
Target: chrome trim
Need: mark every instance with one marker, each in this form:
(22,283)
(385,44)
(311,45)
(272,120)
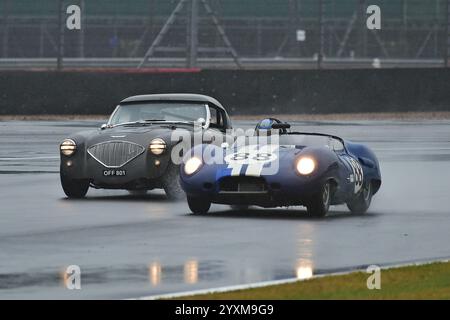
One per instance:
(208,117)
(74,145)
(115,141)
(112,115)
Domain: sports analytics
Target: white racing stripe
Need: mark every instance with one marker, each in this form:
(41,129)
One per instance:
(254,157)
(236,164)
(254,168)
(235,169)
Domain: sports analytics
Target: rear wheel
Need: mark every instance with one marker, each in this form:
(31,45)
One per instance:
(171,183)
(361,203)
(198,205)
(320,202)
(74,188)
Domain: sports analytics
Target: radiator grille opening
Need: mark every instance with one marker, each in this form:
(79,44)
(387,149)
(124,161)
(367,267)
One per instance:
(115,154)
(243,184)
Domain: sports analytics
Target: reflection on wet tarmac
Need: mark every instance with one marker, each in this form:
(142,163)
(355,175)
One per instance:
(304,267)
(157,274)
(191,272)
(304,270)
(154,273)
(64,277)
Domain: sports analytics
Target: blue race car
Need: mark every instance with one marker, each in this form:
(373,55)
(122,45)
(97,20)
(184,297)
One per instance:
(310,169)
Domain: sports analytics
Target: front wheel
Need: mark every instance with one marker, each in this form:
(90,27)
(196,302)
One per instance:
(74,188)
(361,203)
(198,205)
(171,183)
(320,202)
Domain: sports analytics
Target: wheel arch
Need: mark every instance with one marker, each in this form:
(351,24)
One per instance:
(376,184)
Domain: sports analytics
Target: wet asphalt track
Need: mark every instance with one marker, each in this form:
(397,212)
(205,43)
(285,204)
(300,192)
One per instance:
(131,246)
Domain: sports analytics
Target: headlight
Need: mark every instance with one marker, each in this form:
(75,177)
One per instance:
(306,166)
(68,147)
(192,165)
(157,146)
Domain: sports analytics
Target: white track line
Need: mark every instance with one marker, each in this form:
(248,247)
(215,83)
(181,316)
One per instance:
(276,282)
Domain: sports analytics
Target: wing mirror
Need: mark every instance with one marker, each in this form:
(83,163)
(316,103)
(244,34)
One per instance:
(199,123)
(209,139)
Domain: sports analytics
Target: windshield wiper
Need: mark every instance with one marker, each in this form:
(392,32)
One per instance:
(149,121)
(130,123)
(172,121)
(140,122)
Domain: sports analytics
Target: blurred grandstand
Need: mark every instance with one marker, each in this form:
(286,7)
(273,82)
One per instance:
(224,34)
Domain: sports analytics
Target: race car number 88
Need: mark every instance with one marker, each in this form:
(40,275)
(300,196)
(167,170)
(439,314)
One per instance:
(257,156)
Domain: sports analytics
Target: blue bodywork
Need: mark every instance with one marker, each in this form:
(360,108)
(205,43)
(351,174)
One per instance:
(345,167)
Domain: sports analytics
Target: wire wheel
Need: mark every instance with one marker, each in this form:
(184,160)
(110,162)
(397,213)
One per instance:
(361,203)
(320,202)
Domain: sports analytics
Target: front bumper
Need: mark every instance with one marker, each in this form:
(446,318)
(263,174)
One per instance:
(276,192)
(145,170)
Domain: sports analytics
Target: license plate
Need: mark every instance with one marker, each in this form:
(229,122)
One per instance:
(114,173)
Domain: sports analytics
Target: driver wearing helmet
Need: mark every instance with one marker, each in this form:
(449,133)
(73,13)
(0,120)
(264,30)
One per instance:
(268,127)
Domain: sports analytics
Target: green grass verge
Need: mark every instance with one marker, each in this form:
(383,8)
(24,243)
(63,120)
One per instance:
(430,281)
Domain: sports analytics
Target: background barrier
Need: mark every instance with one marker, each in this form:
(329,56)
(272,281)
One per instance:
(241,92)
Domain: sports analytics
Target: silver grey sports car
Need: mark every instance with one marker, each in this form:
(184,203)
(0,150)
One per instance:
(132,151)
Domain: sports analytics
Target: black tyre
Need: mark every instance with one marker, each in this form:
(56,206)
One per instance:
(198,205)
(361,203)
(171,183)
(74,188)
(320,202)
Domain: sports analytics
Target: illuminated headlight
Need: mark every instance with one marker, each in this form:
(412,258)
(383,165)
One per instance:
(306,166)
(68,147)
(157,146)
(192,165)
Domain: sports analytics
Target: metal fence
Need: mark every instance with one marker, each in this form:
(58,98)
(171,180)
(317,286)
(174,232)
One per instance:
(224,34)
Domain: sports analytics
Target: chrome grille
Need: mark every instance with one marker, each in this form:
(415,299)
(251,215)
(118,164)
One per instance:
(115,154)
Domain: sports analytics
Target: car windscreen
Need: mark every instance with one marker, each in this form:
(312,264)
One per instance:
(166,111)
(298,140)
(306,140)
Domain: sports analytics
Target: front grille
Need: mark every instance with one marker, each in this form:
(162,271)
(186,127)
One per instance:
(115,154)
(243,184)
